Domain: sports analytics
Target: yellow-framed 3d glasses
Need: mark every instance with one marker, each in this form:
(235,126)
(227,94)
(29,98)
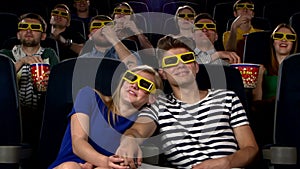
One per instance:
(143,83)
(244,5)
(31,26)
(80,1)
(60,13)
(208,26)
(122,11)
(287,36)
(173,60)
(186,15)
(99,24)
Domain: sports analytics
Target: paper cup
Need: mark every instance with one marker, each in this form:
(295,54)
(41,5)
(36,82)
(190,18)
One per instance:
(249,72)
(40,75)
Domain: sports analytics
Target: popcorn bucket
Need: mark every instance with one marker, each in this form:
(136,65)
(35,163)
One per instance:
(40,75)
(249,72)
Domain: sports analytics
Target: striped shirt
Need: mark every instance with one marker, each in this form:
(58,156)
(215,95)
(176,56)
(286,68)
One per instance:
(193,133)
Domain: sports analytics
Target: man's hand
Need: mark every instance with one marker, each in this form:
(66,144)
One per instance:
(130,151)
(230,57)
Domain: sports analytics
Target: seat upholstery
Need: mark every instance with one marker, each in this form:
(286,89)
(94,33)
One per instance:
(284,153)
(10,122)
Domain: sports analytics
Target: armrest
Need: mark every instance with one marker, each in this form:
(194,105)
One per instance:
(150,154)
(10,154)
(281,155)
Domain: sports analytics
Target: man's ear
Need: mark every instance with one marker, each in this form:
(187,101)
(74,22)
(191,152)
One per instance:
(216,37)
(162,73)
(18,36)
(235,14)
(43,36)
(152,99)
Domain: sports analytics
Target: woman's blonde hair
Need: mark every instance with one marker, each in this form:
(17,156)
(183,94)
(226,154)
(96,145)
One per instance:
(113,104)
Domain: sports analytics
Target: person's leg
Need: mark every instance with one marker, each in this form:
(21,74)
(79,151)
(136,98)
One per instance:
(68,165)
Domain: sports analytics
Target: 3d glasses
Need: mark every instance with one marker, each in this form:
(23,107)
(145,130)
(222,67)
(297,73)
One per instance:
(143,83)
(122,11)
(31,26)
(173,60)
(60,13)
(287,36)
(244,5)
(99,24)
(186,15)
(208,26)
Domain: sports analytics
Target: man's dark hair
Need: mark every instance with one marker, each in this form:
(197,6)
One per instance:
(168,42)
(204,16)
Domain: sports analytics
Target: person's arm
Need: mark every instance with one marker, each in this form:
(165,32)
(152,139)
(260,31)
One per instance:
(230,57)
(80,145)
(124,54)
(129,148)
(241,158)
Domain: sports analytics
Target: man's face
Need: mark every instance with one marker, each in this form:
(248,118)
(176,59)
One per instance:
(29,37)
(205,34)
(60,17)
(81,5)
(181,74)
(96,33)
(244,9)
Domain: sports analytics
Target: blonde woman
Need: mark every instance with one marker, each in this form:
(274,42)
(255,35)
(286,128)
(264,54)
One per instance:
(97,122)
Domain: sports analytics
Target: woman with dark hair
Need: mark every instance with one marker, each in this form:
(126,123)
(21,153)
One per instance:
(283,42)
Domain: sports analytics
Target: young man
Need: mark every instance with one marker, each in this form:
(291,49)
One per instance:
(31,31)
(233,40)
(205,35)
(70,42)
(198,128)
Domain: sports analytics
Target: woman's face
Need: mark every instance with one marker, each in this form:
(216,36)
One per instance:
(131,93)
(283,46)
(186,21)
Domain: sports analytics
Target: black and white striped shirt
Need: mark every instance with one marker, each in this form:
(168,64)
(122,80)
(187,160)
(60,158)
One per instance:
(192,133)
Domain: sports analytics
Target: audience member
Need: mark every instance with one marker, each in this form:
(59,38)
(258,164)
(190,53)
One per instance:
(70,43)
(104,42)
(83,11)
(126,28)
(97,121)
(184,18)
(283,43)
(31,31)
(234,39)
(205,35)
(198,128)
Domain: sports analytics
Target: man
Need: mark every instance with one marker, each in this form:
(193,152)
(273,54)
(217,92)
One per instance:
(83,11)
(233,40)
(198,128)
(31,31)
(104,42)
(70,43)
(205,35)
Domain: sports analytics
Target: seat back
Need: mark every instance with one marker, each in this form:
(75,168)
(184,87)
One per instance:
(10,29)
(287,112)
(257,47)
(295,23)
(10,122)
(66,79)
(78,26)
